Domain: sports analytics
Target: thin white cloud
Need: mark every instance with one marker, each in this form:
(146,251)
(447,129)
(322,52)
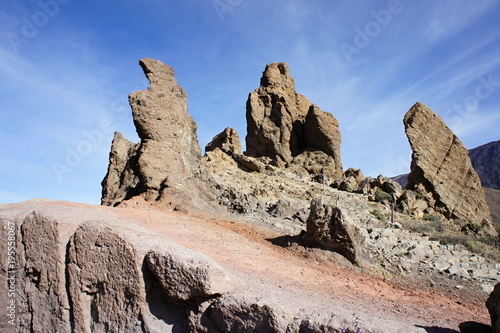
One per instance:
(452,17)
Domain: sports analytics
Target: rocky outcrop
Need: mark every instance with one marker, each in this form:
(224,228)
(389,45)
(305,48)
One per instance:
(187,277)
(283,125)
(122,180)
(105,286)
(331,228)
(493,305)
(441,169)
(161,166)
(228,141)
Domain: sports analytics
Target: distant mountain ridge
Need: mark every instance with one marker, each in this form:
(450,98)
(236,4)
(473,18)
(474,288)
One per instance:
(486,161)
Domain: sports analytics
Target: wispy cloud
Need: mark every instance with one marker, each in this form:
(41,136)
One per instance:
(452,17)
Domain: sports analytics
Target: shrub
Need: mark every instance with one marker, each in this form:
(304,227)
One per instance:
(378,214)
(430,217)
(381,195)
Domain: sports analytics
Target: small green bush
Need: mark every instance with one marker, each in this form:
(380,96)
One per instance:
(381,195)
(430,217)
(378,214)
(420,196)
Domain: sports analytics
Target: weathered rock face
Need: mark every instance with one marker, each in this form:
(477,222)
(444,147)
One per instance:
(442,171)
(169,152)
(330,227)
(43,266)
(493,305)
(282,124)
(122,180)
(228,141)
(162,165)
(186,277)
(102,300)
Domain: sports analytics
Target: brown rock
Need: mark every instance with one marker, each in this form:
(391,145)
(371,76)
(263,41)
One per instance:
(121,181)
(493,305)
(44,286)
(322,132)
(104,281)
(228,141)
(442,168)
(161,167)
(169,151)
(356,173)
(282,125)
(331,228)
(185,276)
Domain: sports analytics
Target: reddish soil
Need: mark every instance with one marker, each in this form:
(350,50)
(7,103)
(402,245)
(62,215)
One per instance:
(245,251)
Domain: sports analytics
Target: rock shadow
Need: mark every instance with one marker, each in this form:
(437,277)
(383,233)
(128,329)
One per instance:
(160,305)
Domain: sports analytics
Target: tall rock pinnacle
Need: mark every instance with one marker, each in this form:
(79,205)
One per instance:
(441,169)
(168,153)
(286,127)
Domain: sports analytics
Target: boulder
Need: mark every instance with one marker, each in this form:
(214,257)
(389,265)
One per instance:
(104,281)
(442,171)
(282,124)
(334,230)
(232,314)
(493,305)
(355,173)
(322,133)
(187,277)
(228,141)
(43,284)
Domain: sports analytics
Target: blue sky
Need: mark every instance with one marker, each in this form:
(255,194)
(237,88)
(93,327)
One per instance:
(67,67)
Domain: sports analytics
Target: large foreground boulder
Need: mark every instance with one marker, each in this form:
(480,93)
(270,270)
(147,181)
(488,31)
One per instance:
(283,125)
(493,305)
(442,171)
(334,230)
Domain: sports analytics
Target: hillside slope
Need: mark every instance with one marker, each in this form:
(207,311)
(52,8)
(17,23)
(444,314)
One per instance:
(486,162)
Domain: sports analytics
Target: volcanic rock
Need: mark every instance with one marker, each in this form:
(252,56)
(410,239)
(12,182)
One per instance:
(104,281)
(331,228)
(161,167)
(282,125)
(186,277)
(122,180)
(228,141)
(43,282)
(442,171)
(493,305)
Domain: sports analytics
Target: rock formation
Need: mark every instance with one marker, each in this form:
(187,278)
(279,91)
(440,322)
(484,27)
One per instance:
(286,127)
(331,228)
(122,180)
(162,165)
(493,305)
(441,169)
(228,141)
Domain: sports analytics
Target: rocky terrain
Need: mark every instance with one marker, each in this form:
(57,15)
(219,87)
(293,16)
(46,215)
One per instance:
(279,238)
